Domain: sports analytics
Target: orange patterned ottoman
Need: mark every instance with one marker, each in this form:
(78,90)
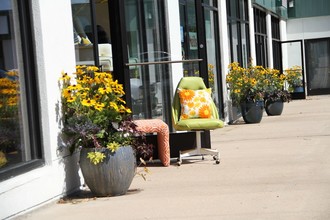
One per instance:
(163,136)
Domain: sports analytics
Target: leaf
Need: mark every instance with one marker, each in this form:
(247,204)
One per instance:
(143,161)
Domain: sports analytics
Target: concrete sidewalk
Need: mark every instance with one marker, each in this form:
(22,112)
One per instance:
(278,169)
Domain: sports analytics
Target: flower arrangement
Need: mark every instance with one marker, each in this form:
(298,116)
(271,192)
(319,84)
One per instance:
(275,89)
(95,115)
(256,83)
(246,84)
(293,77)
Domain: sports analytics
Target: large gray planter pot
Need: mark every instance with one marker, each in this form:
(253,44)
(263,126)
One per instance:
(113,176)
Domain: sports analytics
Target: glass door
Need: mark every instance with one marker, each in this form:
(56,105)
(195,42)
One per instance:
(212,51)
(292,55)
(147,56)
(318,66)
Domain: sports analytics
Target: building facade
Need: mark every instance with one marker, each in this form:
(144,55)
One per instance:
(148,45)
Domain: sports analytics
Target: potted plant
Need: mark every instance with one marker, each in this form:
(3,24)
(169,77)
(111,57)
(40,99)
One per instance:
(275,95)
(97,122)
(293,77)
(247,89)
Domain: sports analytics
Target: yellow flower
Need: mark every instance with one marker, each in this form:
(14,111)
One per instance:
(114,106)
(102,90)
(75,87)
(99,106)
(71,99)
(108,90)
(66,93)
(88,102)
(113,146)
(96,157)
(65,76)
(12,101)
(121,100)
(128,110)
(92,68)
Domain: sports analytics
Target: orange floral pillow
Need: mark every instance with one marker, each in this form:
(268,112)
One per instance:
(195,103)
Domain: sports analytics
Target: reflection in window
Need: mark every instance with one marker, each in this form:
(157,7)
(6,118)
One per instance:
(91,37)
(14,150)
(82,33)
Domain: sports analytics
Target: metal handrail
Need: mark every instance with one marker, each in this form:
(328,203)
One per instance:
(164,62)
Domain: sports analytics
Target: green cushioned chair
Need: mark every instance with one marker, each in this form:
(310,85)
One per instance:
(195,124)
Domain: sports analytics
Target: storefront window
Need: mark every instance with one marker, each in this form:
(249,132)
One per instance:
(238,31)
(189,38)
(277,53)
(16,142)
(261,37)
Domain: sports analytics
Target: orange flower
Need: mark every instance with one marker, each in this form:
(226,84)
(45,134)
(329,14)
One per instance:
(205,111)
(186,94)
(184,116)
(190,104)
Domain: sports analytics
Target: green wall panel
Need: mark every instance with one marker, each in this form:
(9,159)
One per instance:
(309,8)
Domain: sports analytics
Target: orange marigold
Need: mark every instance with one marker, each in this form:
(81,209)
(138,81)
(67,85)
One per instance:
(186,94)
(205,111)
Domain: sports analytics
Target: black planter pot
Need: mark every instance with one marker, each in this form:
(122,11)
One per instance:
(252,111)
(298,89)
(113,176)
(274,107)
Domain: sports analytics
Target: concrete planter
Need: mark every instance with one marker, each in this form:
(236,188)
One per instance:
(113,176)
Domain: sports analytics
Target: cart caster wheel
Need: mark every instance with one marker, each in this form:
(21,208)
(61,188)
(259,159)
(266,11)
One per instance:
(202,157)
(215,157)
(179,163)
(217,161)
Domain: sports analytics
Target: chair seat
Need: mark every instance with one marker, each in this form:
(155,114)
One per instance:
(199,124)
